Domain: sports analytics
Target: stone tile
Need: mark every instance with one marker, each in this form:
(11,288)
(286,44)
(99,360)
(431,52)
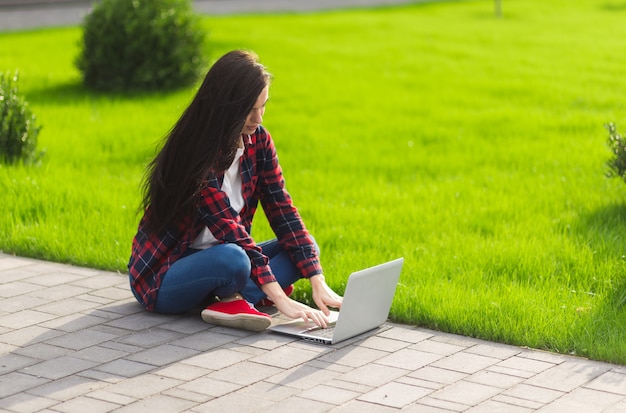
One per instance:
(43,351)
(99,354)
(619,407)
(59,367)
(408,335)
(217,359)
(119,309)
(85,404)
(52,278)
(491,406)
(329,395)
(106,396)
(364,407)
(421,408)
(285,357)
(419,383)
(102,376)
(7,348)
(465,362)
(143,386)
(67,388)
(524,364)
(436,347)
(95,299)
(20,303)
(26,403)
(455,339)
(438,375)
(17,288)
(187,325)
(584,400)
(568,375)
(409,359)
(24,318)
(301,377)
(58,292)
(113,293)
(268,391)
(158,403)
(296,404)
(541,355)
(151,337)
(533,393)
(16,382)
(11,362)
(139,321)
(610,382)
(373,375)
(354,356)
(467,393)
(125,368)
(514,401)
(233,403)
(348,385)
(396,395)
(444,405)
(490,378)
(73,322)
(81,339)
(499,351)
(183,372)
(197,398)
(338,368)
(510,372)
(9,261)
(265,341)
(245,373)
(102,280)
(67,306)
(210,387)
(162,355)
(384,344)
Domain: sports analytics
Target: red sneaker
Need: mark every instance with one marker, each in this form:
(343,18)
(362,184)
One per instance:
(266,302)
(237,314)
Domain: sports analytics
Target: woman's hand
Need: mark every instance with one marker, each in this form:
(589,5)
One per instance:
(323,295)
(291,308)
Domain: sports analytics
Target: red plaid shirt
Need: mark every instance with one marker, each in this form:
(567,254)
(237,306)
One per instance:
(262,180)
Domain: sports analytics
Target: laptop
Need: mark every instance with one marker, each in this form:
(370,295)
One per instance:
(366,304)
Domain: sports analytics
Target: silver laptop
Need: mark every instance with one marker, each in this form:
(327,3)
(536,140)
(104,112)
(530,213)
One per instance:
(366,303)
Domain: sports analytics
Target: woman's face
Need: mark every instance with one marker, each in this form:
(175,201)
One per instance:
(255,117)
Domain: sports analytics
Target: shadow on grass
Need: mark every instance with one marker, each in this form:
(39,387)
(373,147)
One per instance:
(72,92)
(604,228)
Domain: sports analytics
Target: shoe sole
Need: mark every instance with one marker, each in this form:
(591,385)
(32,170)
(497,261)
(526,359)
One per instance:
(248,322)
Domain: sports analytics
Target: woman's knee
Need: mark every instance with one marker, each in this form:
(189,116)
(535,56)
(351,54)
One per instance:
(236,262)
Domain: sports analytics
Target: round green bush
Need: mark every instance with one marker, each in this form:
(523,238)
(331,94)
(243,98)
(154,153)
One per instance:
(617,144)
(141,45)
(18,126)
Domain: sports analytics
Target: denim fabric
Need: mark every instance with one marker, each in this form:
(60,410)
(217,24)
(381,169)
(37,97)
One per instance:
(222,271)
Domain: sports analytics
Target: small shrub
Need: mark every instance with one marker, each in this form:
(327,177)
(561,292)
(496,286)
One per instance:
(617,144)
(18,127)
(141,45)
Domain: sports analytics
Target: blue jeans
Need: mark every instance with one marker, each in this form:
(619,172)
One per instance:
(222,271)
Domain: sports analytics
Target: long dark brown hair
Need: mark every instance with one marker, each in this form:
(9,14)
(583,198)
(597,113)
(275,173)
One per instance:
(205,138)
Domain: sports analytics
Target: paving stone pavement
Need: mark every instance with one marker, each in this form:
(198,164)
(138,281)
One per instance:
(75,340)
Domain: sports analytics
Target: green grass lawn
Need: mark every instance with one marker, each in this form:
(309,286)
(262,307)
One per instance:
(472,146)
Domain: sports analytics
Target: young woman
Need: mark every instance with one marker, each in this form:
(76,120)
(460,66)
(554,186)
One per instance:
(193,245)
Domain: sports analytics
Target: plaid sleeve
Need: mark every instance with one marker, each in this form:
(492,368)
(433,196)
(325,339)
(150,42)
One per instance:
(281,212)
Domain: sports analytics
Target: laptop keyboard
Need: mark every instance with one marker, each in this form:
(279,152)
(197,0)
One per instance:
(325,332)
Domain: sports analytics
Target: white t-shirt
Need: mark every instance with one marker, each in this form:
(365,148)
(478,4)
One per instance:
(232,187)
